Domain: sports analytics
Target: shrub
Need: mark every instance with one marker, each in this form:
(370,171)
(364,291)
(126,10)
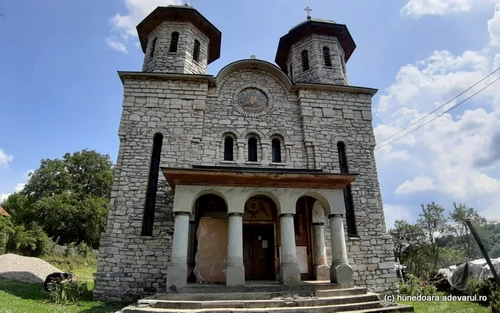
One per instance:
(480,288)
(83,249)
(414,286)
(31,242)
(495,300)
(71,292)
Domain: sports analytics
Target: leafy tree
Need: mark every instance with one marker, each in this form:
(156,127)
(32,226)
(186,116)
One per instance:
(405,236)
(433,224)
(68,197)
(459,216)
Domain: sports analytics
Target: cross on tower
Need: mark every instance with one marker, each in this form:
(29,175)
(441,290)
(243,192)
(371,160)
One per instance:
(308,9)
(187,3)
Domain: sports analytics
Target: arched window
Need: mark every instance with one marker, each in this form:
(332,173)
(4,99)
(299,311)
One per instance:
(305,61)
(174,41)
(327,56)
(196,51)
(349,208)
(154,168)
(228,148)
(153,48)
(252,149)
(276,150)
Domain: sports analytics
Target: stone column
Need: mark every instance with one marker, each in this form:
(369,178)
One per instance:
(177,270)
(289,269)
(265,154)
(241,157)
(287,155)
(340,271)
(321,268)
(235,269)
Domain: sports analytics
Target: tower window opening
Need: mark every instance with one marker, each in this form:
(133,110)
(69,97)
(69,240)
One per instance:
(305,61)
(174,42)
(327,56)
(276,150)
(228,148)
(196,51)
(153,48)
(149,208)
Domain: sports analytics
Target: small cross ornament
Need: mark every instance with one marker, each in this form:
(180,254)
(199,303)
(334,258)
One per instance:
(308,10)
(187,3)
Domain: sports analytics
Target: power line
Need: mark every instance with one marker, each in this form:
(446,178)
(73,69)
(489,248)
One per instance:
(496,70)
(456,105)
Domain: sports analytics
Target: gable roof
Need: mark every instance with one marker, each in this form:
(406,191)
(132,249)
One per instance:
(3,212)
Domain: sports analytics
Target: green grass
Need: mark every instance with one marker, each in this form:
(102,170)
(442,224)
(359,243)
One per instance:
(447,307)
(30,298)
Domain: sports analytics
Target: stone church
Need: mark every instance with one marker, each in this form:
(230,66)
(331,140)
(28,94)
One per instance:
(265,172)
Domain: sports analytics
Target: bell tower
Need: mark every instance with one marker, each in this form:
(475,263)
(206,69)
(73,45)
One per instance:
(178,39)
(316,51)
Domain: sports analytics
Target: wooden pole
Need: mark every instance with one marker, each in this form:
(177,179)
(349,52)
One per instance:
(483,250)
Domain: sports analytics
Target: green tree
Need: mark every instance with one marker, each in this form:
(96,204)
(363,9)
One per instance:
(433,224)
(68,197)
(460,230)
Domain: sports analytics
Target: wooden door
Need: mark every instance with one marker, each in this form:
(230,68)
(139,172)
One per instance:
(258,252)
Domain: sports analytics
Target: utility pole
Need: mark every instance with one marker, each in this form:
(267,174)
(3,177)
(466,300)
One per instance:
(483,250)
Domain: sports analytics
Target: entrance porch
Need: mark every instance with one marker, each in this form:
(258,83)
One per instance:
(242,224)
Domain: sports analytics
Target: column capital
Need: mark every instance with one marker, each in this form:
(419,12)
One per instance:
(336,215)
(234,214)
(286,214)
(181,213)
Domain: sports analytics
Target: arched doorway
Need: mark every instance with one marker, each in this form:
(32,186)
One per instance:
(210,240)
(260,239)
(303,236)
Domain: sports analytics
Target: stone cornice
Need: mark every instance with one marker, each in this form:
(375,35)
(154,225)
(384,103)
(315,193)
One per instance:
(326,87)
(167,76)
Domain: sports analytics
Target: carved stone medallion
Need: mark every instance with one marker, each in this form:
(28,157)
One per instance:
(252,100)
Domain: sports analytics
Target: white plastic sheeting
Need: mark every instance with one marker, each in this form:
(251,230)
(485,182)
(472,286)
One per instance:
(459,276)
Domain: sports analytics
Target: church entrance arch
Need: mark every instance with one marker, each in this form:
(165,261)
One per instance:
(209,238)
(260,239)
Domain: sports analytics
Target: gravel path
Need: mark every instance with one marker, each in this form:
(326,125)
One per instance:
(24,269)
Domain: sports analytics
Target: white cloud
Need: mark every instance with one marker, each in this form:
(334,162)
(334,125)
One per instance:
(19,187)
(114,44)
(124,26)
(4,196)
(494,27)
(5,159)
(393,212)
(418,8)
(456,156)
(418,184)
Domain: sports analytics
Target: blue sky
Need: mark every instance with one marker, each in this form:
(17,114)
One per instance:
(59,91)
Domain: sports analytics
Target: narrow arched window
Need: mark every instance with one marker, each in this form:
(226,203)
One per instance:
(252,149)
(228,148)
(291,73)
(305,61)
(196,51)
(276,150)
(349,208)
(327,56)
(154,168)
(153,48)
(174,42)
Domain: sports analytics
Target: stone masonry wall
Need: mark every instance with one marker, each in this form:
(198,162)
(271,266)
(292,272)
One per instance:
(129,264)
(182,60)
(193,119)
(329,117)
(318,72)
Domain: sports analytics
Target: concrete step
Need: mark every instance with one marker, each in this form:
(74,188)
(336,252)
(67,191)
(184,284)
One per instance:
(258,295)
(251,304)
(393,308)
(300,309)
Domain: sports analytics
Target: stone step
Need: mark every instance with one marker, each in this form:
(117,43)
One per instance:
(251,304)
(295,309)
(393,308)
(264,287)
(258,295)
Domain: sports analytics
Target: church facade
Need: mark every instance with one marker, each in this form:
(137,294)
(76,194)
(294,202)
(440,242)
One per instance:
(263,172)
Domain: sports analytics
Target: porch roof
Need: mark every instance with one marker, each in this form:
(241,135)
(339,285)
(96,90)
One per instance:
(256,177)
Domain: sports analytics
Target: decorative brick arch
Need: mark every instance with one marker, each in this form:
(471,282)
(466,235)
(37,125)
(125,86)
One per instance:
(273,132)
(150,132)
(225,131)
(244,135)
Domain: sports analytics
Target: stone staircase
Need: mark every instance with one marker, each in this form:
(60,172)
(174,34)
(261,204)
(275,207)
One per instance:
(314,297)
